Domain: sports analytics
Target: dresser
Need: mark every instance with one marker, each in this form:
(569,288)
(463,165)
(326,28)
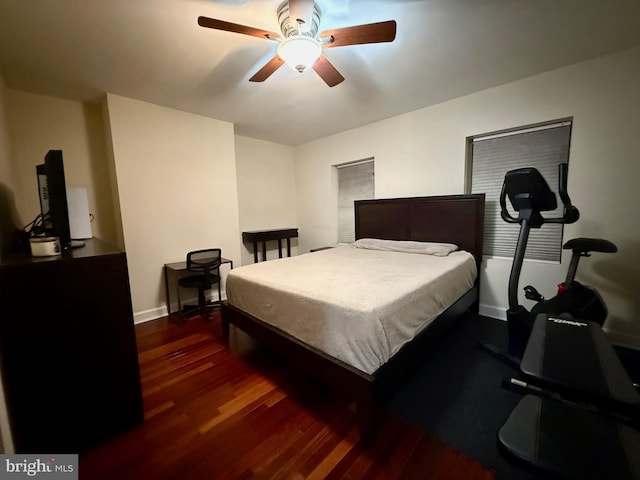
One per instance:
(68,349)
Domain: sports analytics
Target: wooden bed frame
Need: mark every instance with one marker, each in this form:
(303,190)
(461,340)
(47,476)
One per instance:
(455,219)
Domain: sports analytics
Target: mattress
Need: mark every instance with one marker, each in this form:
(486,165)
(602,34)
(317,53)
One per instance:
(357,305)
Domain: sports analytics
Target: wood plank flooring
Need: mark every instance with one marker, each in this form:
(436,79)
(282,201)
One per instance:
(214,413)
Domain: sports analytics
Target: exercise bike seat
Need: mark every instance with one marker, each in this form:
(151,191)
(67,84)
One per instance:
(590,245)
(574,358)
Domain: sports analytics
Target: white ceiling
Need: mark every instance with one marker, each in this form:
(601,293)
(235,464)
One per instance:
(154,50)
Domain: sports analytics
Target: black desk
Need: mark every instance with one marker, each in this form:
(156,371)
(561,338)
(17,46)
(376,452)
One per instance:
(177,269)
(263,236)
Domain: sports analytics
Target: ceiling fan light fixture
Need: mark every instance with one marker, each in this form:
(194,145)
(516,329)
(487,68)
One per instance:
(299,52)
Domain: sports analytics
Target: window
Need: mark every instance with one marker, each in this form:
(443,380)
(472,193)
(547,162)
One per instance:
(491,156)
(355,182)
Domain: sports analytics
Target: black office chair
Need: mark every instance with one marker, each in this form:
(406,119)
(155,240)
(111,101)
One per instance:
(205,265)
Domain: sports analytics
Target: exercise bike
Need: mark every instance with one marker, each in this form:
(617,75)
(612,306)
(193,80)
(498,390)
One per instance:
(530,195)
(579,417)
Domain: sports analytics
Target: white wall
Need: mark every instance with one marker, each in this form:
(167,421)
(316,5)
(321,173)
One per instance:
(7,214)
(169,169)
(266,191)
(176,183)
(9,217)
(40,123)
(6,166)
(423,153)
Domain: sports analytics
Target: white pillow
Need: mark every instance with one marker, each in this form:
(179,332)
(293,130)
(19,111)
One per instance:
(406,246)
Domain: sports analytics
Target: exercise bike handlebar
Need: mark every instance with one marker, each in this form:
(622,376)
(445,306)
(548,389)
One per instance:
(570,213)
(504,213)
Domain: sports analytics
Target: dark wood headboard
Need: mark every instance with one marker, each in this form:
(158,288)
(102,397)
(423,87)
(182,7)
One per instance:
(455,219)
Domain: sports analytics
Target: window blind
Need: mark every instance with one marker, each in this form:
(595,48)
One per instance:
(355,182)
(492,156)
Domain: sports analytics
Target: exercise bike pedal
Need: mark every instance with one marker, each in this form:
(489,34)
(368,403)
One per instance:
(532,294)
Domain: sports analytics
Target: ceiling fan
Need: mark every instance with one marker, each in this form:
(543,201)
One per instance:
(300,45)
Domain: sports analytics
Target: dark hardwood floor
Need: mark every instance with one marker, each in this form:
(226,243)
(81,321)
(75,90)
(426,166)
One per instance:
(211,413)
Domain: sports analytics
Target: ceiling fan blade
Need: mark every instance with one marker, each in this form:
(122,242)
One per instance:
(236,28)
(327,72)
(266,71)
(360,34)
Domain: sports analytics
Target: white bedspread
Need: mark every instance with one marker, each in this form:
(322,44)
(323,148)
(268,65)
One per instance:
(357,305)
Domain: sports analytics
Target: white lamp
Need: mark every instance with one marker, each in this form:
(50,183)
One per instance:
(299,52)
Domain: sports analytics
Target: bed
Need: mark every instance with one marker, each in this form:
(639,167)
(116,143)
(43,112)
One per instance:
(335,312)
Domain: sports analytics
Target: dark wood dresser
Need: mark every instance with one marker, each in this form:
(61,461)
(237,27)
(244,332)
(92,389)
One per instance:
(68,349)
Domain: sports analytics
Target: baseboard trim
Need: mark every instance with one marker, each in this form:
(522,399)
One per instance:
(158,312)
(492,311)
(148,315)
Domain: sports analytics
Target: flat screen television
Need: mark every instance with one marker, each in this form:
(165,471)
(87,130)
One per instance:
(53,199)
